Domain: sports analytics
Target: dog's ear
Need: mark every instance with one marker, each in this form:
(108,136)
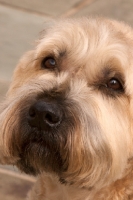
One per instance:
(22,71)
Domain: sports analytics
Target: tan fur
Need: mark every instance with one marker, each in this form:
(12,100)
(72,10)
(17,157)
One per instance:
(96,146)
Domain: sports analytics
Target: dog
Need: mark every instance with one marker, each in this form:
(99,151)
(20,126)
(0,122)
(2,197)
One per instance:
(68,115)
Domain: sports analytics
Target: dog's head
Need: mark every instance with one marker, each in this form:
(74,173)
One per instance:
(69,108)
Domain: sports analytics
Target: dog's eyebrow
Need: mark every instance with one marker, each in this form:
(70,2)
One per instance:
(62,53)
(110,72)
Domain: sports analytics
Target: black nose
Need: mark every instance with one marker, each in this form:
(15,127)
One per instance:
(44,115)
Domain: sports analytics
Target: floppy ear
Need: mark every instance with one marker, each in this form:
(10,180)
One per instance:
(22,71)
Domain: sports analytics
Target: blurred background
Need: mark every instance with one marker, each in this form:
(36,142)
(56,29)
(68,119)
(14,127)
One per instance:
(20,25)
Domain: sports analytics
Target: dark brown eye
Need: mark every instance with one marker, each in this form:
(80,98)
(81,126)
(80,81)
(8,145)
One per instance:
(114,84)
(48,63)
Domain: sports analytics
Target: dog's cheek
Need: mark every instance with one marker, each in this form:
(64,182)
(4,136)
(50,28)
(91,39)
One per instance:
(116,130)
(87,151)
(8,125)
(99,141)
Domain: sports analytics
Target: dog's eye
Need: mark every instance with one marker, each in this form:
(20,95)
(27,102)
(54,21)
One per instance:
(48,63)
(114,84)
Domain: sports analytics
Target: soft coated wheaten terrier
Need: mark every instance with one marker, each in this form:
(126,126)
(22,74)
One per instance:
(68,114)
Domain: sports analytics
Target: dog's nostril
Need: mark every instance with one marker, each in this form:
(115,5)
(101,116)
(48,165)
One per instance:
(51,118)
(44,115)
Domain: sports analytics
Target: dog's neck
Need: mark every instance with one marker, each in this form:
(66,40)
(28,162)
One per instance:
(54,190)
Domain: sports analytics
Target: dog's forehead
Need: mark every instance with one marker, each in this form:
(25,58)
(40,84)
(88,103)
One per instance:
(74,37)
(85,43)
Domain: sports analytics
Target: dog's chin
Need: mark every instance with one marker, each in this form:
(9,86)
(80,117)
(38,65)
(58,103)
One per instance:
(39,156)
(32,168)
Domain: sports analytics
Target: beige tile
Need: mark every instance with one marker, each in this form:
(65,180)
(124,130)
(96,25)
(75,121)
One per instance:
(47,7)
(117,9)
(13,188)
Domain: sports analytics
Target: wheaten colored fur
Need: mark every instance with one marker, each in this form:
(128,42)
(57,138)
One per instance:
(93,150)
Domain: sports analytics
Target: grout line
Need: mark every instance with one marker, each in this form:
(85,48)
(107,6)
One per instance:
(16,175)
(25,10)
(77,7)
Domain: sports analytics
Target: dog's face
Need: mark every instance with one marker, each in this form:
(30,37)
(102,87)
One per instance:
(69,108)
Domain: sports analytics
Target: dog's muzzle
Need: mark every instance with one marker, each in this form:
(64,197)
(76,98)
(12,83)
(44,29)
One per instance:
(45,114)
(46,124)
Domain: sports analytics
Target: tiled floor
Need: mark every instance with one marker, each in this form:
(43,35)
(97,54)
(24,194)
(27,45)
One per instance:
(20,24)
(13,187)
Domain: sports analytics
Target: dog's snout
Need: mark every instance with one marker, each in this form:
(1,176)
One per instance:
(44,115)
